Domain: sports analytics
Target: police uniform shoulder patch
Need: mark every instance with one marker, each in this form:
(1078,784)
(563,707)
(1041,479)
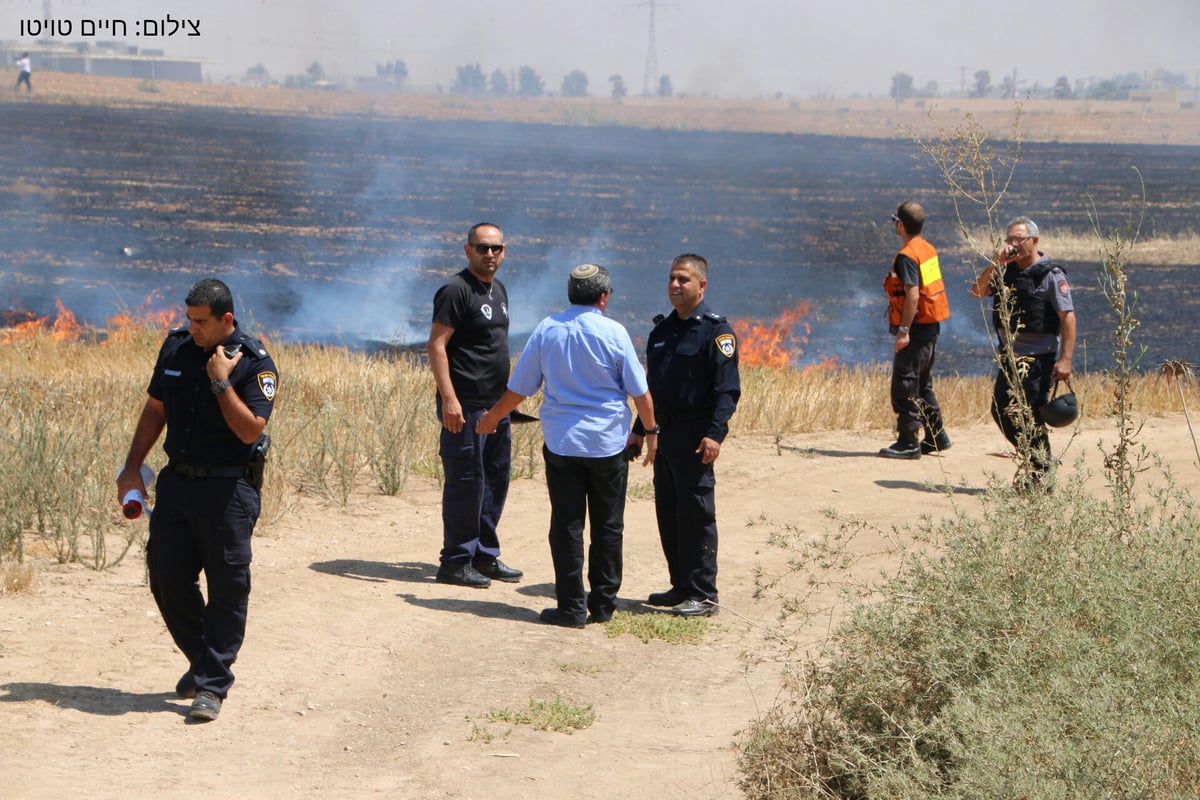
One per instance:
(266,383)
(727,344)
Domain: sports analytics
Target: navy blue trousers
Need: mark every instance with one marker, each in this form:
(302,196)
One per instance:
(685,504)
(592,489)
(203,525)
(476,468)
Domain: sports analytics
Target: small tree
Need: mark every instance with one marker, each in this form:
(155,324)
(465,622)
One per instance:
(618,86)
(469,80)
(902,86)
(499,83)
(529,83)
(1107,90)
(664,87)
(574,84)
(257,75)
(315,72)
(1008,87)
(393,73)
(983,83)
(1062,89)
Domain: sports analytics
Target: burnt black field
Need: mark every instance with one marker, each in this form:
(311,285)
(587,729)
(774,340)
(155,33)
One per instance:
(339,230)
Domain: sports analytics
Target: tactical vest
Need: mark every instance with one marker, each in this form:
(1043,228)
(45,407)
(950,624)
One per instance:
(1034,314)
(932,305)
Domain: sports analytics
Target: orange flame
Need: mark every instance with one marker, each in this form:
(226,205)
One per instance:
(18,325)
(775,343)
(123,326)
(65,327)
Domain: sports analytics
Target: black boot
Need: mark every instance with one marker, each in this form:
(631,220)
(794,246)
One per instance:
(902,448)
(935,444)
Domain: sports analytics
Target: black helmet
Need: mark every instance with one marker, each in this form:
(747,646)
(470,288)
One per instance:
(1062,409)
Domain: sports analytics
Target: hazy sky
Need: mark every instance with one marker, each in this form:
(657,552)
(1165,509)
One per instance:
(726,47)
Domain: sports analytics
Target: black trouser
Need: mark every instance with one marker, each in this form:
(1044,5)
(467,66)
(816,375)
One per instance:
(1035,388)
(203,524)
(685,504)
(593,488)
(477,468)
(913,399)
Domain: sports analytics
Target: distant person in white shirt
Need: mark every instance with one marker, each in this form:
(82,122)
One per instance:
(24,65)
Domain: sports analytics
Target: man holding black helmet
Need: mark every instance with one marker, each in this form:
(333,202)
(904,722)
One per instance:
(1040,333)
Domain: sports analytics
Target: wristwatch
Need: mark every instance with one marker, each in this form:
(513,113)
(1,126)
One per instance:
(653,430)
(219,386)
(901,329)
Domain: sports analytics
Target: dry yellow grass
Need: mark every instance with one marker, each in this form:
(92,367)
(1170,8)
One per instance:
(1086,246)
(322,383)
(1158,122)
(347,422)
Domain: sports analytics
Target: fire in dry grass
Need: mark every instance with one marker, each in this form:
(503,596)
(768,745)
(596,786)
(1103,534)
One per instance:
(17,324)
(778,342)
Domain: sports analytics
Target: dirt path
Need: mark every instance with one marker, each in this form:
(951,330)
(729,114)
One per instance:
(361,677)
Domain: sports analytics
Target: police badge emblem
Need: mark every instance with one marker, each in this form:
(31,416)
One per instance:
(727,344)
(266,382)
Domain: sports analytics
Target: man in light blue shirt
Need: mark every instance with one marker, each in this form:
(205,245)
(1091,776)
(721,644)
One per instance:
(589,367)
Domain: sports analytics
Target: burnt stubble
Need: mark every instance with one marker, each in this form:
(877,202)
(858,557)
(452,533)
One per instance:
(339,229)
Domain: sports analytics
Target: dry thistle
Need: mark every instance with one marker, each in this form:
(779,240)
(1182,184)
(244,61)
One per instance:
(1178,368)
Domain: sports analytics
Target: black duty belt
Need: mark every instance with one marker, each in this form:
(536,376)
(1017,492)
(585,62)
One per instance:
(668,417)
(192,470)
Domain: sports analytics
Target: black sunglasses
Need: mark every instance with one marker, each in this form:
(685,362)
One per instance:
(895,218)
(484,249)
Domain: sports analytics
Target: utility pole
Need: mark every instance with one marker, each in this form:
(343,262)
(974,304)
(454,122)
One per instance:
(650,80)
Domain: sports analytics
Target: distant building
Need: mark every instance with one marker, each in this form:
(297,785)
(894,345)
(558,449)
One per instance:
(110,59)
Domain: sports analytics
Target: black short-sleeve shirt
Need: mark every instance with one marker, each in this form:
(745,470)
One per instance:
(478,348)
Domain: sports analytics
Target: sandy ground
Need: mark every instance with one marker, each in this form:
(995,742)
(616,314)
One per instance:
(362,677)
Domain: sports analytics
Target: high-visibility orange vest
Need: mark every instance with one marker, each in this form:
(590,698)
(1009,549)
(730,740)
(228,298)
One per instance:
(932,305)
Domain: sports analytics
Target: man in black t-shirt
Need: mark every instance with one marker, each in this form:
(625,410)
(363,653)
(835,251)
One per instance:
(468,353)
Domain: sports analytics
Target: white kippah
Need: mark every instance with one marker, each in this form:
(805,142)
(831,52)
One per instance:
(585,271)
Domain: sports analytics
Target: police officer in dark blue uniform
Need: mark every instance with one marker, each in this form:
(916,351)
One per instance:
(213,389)
(692,366)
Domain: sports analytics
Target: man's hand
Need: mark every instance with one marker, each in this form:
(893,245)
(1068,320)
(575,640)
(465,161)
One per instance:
(708,450)
(130,478)
(902,340)
(1062,369)
(452,416)
(220,366)
(488,422)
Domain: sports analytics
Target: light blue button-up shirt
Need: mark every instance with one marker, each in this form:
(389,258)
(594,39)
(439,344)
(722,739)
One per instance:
(589,367)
